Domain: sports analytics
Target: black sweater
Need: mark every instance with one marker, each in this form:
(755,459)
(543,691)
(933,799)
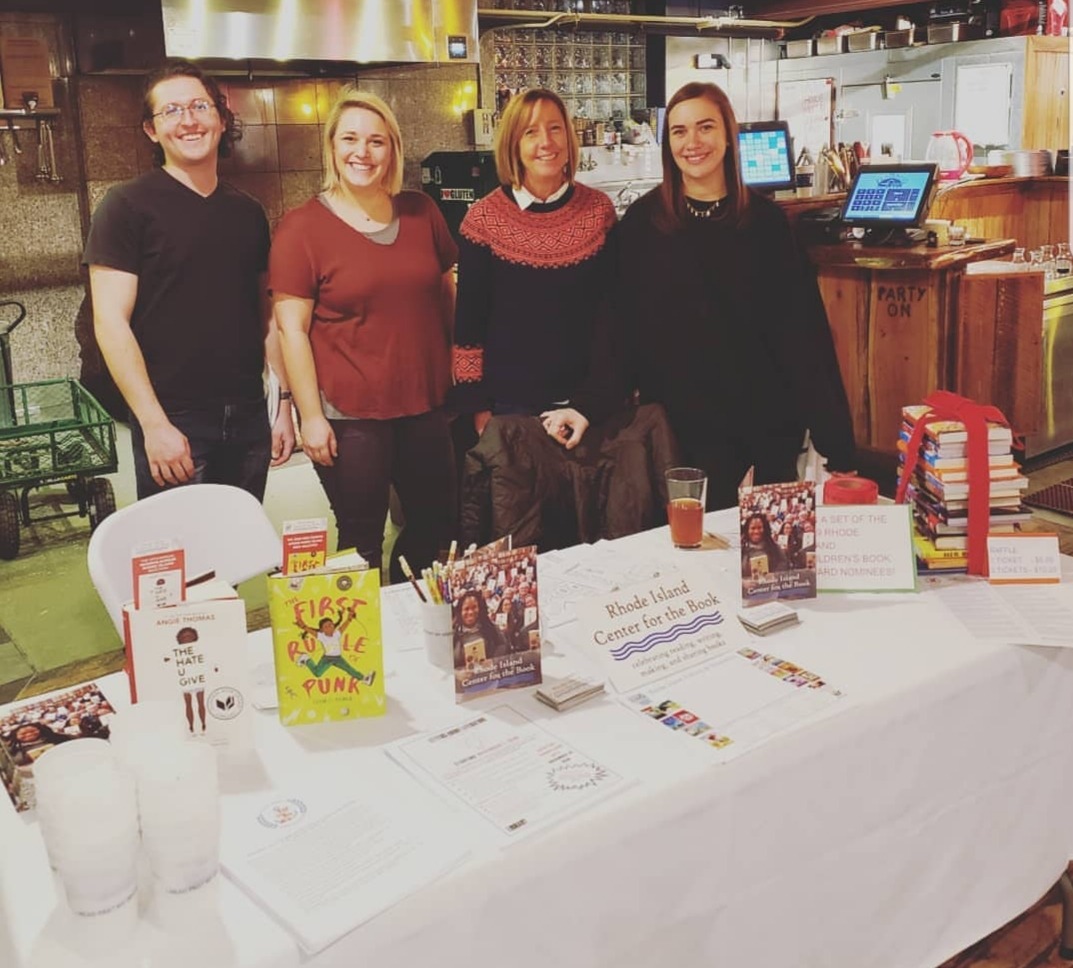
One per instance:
(727,329)
(532,325)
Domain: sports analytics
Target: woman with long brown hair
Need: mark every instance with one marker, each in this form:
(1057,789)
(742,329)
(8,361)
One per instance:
(725,323)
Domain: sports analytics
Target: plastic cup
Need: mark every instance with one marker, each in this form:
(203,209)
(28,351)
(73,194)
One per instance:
(77,766)
(439,636)
(687,492)
(179,804)
(89,820)
(137,735)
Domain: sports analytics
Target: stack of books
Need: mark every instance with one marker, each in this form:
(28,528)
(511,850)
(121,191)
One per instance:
(939,490)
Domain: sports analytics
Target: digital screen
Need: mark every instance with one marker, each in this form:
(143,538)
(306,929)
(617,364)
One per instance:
(887,196)
(765,157)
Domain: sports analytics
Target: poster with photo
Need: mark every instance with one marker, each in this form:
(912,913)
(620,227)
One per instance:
(29,729)
(778,541)
(496,622)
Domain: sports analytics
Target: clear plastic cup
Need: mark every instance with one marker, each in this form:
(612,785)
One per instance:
(179,805)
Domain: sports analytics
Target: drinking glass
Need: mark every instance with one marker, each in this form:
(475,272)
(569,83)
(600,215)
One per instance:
(1047,252)
(687,492)
(1062,261)
(1019,264)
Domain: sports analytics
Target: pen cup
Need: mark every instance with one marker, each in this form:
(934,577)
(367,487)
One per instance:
(439,636)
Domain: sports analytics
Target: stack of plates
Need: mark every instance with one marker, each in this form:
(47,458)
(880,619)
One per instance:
(1028,163)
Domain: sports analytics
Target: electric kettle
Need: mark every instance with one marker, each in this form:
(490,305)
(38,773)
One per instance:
(952,151)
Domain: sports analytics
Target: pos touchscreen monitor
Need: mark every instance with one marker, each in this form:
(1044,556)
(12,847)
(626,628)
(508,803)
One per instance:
(766,153)
(885,200)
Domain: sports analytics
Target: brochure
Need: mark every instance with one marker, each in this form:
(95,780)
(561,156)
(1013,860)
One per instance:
(31,727)
(496,619)
(778,542)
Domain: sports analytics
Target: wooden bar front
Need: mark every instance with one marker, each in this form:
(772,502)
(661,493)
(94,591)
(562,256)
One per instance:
(893,314)
(1034,211)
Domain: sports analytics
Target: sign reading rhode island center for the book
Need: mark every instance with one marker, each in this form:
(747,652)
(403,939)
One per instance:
(646,631)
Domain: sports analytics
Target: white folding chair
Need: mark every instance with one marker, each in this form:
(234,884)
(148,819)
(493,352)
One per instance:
(220,528)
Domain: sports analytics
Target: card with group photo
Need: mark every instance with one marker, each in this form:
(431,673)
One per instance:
(778,541)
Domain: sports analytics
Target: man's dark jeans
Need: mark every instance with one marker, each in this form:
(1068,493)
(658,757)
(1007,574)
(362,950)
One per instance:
(231,443)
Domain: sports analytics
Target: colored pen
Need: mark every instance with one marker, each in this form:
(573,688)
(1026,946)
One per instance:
(408,572)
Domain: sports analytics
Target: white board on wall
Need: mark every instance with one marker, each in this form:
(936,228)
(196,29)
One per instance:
(982,94)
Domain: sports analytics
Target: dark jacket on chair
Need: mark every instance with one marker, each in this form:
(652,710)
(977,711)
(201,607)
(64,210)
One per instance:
(519,481)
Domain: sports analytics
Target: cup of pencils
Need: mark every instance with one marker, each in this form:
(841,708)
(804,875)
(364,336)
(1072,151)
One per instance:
(435,610)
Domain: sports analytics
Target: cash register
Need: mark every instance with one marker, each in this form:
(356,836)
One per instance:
(887,204)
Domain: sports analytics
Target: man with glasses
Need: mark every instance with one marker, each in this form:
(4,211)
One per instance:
(176,265)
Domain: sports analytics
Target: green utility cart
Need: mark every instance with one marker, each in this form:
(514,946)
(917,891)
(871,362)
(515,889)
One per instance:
(51,432)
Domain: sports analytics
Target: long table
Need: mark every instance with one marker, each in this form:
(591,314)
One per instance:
(928,810)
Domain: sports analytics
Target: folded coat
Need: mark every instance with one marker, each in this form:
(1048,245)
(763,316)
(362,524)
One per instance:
(517,480)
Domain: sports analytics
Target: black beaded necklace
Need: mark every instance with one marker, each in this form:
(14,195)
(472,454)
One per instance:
(699,209)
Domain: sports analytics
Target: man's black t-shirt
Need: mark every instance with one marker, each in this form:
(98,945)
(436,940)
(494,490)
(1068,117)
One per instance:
(197,316)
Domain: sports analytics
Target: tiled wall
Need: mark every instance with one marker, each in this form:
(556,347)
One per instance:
(40,230)
(278,160)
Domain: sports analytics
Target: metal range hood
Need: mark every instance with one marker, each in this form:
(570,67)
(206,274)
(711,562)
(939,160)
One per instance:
(330,31)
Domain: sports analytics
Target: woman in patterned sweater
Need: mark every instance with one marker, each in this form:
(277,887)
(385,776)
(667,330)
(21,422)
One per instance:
(535,278)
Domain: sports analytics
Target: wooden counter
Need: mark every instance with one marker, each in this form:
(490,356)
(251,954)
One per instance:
(1034,211)
(893,313)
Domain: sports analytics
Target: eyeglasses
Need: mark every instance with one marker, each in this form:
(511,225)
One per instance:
(172,113)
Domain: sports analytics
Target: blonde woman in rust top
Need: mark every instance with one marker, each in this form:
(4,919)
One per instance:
(364,297)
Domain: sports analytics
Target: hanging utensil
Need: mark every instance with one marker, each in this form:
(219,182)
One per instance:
(3,154)
(14,136)
(54,175)
(42,153)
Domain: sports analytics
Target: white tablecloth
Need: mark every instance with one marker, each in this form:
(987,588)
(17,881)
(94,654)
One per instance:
(930,807)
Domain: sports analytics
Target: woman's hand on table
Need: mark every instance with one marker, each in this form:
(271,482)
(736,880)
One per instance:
(565,425)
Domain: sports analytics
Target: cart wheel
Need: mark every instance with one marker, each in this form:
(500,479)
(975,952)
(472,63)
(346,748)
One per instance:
(9,525)
(75,489)
(101,500)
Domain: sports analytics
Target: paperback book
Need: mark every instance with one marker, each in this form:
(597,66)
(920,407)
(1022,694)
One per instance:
(30,728)
(193,657)
(327,644)
(778,551)
(496,621)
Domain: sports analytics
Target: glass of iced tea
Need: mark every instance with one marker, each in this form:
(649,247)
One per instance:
(687,490)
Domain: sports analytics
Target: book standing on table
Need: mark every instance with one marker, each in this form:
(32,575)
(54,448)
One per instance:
(327,644)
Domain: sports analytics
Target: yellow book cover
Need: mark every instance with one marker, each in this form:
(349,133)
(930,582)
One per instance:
(327,644)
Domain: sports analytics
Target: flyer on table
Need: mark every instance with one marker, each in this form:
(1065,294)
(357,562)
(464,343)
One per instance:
(511,771)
